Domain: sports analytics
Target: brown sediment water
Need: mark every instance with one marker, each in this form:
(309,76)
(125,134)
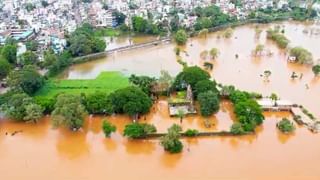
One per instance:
(40,152)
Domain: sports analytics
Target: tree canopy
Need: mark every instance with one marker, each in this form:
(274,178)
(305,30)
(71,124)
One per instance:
(190,75)
(26,79)
(209,103)
(139,130)
(68,112)
(170,141)
(181,37)
(302,55)
(130,100)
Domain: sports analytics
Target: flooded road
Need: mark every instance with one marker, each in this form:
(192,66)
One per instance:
(40,152)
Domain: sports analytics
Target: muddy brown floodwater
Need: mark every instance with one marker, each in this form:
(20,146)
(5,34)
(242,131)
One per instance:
(40,152)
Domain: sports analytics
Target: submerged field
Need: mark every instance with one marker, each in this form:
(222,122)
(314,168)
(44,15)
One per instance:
(106,82)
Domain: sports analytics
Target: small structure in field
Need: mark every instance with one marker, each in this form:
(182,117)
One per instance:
(182,102)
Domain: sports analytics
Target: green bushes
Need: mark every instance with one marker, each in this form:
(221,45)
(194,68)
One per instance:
(191,132)
(237,129)
(139,130)
(285,126)
(302,55)
(279,38)
(21,107)
(108,128)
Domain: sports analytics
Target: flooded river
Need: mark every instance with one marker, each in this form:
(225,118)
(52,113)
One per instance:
(40,152)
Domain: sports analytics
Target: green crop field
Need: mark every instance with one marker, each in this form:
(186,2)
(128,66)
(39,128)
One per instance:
(105,82)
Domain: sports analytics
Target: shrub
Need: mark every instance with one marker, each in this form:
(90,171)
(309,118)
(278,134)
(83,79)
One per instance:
(237,129)
(108,128)
(191,132)
(137,130)
(285,126)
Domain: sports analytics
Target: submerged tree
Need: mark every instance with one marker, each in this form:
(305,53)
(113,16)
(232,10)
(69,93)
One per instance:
(214,52)
(68,112)
(316,70)
(285,126)
(170,141)
(181,37)
(108,128)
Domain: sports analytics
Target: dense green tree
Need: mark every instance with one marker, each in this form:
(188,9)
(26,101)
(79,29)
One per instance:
(28,58)
(139,130)
(131,100)
(5,68)
(34,112)
(170,141)
(181,37)
(21,107)
(26,79)
(98,103)
(190,75)
(9,52)
(119,16)
(108,128)
(143,82)
(209,103)
(315,69)
(247,110)
(83,41)
(68,112)
(204,86)
(139,24)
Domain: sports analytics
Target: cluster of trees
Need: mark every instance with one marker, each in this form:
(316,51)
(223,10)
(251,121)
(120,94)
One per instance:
(247,110)
(8,57)
(143,82)
(83,41)
(211,16)
(285,126)
(26,80)
(142,25)
(21,107)
(279,38)
(303,56)
(204,89)
(270,14)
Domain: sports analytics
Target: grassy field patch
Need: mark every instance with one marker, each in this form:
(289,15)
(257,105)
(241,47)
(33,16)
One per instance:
(105,82)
